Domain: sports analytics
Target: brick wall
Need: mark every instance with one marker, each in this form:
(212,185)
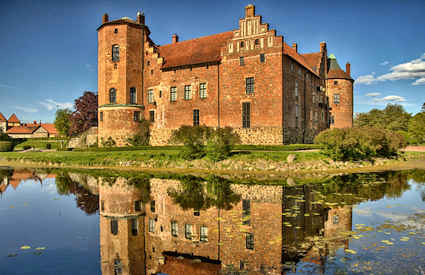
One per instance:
(342,112)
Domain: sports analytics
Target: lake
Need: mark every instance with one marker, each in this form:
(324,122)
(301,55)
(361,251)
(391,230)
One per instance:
(56,221)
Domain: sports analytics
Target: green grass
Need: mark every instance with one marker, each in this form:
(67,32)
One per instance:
(39,144)
(277,156)
(288,147)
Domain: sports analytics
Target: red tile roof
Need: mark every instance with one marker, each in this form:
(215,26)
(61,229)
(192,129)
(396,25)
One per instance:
(288,50)
(22,130)
(50,128)
(313,60)
(14,119)
(338,74)
(200,50)
(2,118)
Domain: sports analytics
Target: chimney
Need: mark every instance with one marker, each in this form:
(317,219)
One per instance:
(348,68)
(105,18)
(35,122)
(249,11)
(140,18)
(322,46)
(295,47)
(175,38)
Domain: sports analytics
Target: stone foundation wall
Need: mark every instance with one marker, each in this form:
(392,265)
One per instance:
(160,136)
(261,135)
(88,138)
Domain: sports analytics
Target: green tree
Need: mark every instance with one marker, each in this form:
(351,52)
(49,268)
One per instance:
(62,122)
(393,118)
(417,128)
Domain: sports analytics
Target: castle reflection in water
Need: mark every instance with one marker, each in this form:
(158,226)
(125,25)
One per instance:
(190,225)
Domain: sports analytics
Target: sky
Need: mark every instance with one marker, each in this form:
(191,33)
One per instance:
(50,47)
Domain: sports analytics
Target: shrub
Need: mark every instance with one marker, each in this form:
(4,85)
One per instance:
(48,146)
(6,146)
(26,147)
(220,143)
(141,138)
(360,143)
(109,142)
(199,141)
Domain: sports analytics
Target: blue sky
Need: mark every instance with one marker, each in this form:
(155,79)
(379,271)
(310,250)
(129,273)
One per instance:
(50,47)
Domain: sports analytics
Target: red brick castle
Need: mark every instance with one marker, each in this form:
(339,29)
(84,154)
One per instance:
(248,79)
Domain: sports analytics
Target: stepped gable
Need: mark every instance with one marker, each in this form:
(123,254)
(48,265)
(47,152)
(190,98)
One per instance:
(13,119)
(288,50)
(2,118)
(313,60)
(196,51)
(335,71)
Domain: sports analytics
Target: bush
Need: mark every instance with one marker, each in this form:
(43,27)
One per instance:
(110,142)
(220,143)
(48,146)
(199,141)
(26,147)
(6,146)
(360,143)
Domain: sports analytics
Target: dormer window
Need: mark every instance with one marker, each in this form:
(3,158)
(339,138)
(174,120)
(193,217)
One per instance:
(115,53)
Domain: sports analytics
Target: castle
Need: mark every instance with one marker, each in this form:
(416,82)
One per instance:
(248,79)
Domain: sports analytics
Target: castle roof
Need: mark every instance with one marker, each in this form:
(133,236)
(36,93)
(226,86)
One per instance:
(288,50)
(49,127)
(14,119)
(2,118)
(313,60)
(196,51)
(335,71)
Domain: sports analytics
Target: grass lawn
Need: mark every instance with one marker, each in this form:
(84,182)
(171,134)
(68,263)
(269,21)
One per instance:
(39,144)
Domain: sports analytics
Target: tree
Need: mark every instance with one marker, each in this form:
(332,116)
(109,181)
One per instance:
(85,115)
(393,118)
(62,122)
(417,128)
(423,108)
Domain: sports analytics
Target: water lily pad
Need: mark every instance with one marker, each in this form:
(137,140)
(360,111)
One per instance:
(25,247)
(40,248)
(350,251)
(404,239)
(12,255)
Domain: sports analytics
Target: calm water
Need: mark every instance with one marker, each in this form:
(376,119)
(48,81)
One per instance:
(101,222)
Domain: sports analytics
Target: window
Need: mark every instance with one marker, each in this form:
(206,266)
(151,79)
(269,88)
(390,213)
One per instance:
(195,117)
(160,94)
(315,115)
(112,96)
(257,42)
(114,227)
(314,98)
(174,229)
(115,53)
(173,94)
(150,97)
(292,67)
(336,98)
(335,219)
(249,239)
(246,212)
(148,63)
(153,206)
(335,82)
(102,205)
(332,120)
(297,111)
(187,92)
(101,116)
(196,213)
(136,115)
(204,234)
(296,89)
(241,265)
(117,267)
(249,85)
(246,114)
(262,58)
(116,31)
(241,61)
(132,95)
(299,71)
(242,44)
(134,227)
(151,225)
(203,90)
(188,231)
(323,115)
(138,206)
(152,116)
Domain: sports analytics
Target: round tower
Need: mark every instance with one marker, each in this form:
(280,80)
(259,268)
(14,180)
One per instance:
(120,79)
(339,87)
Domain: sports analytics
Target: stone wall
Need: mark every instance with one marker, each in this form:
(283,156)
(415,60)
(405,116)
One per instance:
(88,138)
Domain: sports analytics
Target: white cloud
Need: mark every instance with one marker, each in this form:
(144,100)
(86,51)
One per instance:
(385,63)
(27,109)
(390,98)
(414,69)
(373,94)
(50,104)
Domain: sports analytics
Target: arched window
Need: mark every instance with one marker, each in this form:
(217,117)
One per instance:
(115,53)
(133,97)
(112,96)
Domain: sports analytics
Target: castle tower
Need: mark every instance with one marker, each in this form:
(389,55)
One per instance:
(339,86)
(122,241)
(120,79)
